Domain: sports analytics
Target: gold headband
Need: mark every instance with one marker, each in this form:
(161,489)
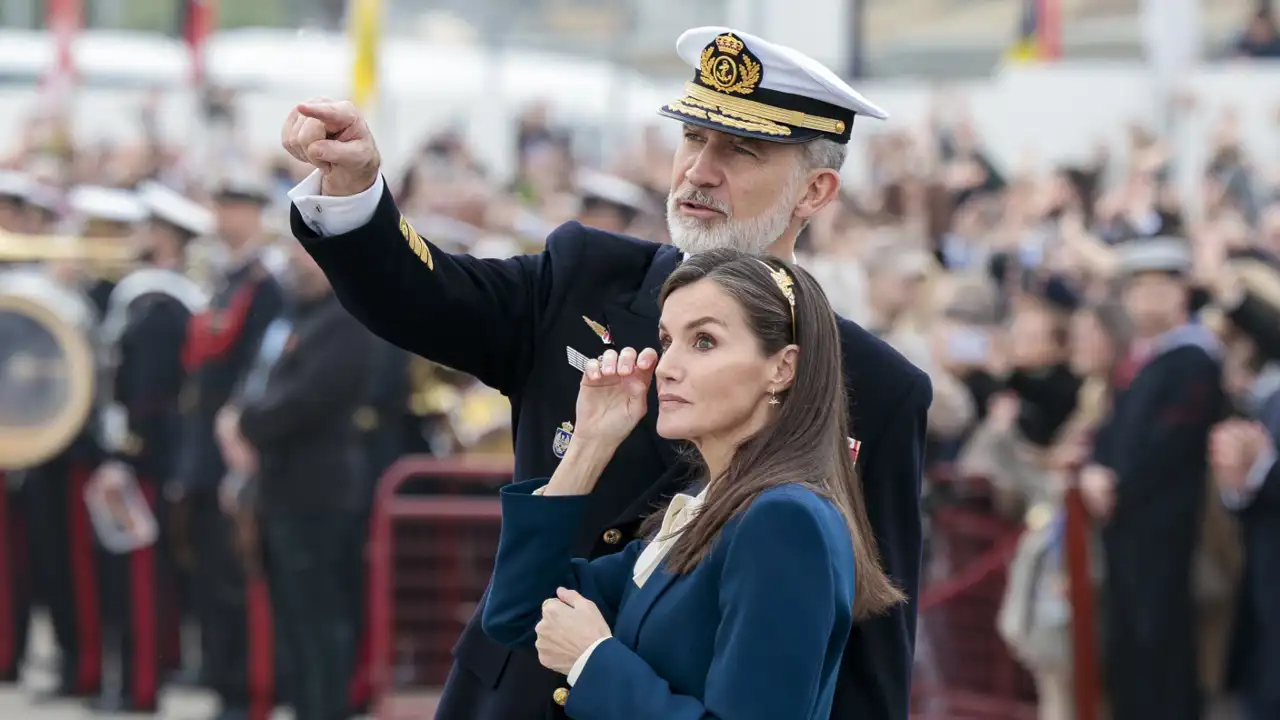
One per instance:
(787,285)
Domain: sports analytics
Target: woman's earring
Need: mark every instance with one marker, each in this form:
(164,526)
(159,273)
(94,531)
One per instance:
(773,398)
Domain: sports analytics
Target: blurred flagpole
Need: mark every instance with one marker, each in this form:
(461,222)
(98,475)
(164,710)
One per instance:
(857,16)
(364,26)
(57,88)
(1039,32)
(199,18)
(1172,33)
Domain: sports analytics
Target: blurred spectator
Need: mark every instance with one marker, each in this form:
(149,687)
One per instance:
(1146,484)
(1260,39)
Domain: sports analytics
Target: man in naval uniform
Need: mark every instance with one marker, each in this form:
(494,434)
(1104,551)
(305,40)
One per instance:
(221,345)
(64,560)
(765,133)
(15,575)
(1145,484)
(104,213)
(144,331)
(14,190)
(611,203)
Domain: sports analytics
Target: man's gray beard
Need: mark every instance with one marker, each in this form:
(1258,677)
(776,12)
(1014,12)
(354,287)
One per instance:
(752,235)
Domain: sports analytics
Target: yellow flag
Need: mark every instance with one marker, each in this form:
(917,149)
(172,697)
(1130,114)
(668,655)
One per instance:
(365,20)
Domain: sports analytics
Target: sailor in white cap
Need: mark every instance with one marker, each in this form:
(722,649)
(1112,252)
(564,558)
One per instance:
(221,347)
(766,130)
(105,215)
(44,203)
(99,211)
(14,187)
(173,221)
(239,204)
(611,203)
(1145,484)
(144,331)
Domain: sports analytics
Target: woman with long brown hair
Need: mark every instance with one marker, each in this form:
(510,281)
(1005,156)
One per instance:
(741,602)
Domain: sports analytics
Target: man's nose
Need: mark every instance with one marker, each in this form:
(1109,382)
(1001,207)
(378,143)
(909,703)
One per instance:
(704,172)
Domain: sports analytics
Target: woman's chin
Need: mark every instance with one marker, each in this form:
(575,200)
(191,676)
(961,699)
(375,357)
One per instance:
(671,429)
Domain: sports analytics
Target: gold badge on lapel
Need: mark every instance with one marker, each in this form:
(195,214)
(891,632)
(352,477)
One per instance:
(603,332)
(416,243)
(560,443)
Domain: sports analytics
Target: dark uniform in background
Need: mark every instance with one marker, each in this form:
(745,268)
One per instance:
(298,409)
(15,569)
(383,424)
(145,331)
(1156,442)
(64,558)
(220,348)
(514,323)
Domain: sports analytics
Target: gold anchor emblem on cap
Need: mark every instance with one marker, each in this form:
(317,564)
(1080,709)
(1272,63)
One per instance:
(729,67)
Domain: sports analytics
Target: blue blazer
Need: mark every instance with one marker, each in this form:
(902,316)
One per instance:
(757,630)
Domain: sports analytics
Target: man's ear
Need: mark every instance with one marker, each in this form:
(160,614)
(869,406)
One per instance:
(823,187)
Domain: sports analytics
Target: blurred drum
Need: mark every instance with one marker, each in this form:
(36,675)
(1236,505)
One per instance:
(47,368)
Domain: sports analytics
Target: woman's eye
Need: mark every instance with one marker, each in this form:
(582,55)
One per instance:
(664,342)
(703,342)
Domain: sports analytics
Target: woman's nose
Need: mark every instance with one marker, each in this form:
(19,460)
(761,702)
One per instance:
(666,369)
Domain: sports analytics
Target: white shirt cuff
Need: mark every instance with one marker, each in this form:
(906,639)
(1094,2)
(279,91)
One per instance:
(581,663)
(1239,499)
(327,215)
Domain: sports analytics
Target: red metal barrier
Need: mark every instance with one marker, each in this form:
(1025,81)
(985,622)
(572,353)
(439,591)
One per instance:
(441,546)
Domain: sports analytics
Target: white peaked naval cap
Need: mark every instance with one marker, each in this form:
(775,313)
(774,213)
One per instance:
(745,85)
(164,203)
(96,202)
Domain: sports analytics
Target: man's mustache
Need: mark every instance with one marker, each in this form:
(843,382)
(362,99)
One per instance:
(696,196)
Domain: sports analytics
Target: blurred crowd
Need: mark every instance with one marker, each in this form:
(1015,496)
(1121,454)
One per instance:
(1086,325)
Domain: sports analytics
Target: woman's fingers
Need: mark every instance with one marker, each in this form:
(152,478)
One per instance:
(626,361)
(609,362)
(648,359)
(619,364)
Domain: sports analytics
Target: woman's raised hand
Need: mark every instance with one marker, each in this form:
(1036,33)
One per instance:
(614,394)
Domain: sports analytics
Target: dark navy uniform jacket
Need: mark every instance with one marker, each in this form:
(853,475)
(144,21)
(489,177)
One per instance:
(220,347)
(510,322)
(148,330)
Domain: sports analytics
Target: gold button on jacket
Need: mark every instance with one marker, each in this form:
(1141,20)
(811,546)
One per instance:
(612,536)
(561,696)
